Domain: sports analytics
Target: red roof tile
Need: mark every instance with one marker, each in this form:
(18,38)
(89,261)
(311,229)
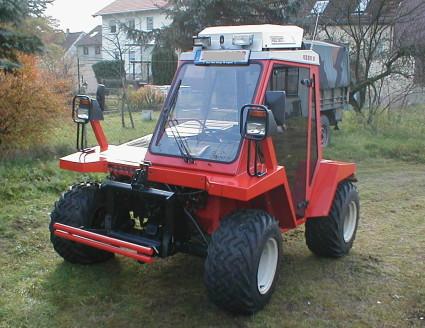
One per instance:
(124,6)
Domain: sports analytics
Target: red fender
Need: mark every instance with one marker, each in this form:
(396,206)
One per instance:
(328,177)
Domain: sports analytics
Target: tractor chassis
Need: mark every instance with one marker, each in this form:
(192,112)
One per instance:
(131,242)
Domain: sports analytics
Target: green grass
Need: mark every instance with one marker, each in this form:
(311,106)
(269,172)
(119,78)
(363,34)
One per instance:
(396,136)
(379,284)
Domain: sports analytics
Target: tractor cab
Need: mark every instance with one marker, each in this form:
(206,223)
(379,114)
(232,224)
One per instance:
(245,96)
(234,161)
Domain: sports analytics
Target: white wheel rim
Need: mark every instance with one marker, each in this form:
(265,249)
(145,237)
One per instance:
(350,221)
(267,266)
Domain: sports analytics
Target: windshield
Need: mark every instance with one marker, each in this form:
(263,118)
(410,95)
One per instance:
(201,118)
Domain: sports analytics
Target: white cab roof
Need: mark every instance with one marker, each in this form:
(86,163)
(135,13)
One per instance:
(264,36)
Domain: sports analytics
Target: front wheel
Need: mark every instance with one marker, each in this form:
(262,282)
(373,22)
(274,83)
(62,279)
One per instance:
(243,261)
(81,206)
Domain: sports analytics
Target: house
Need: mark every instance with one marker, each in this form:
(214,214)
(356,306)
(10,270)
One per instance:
(70,57)
(410,32)
(145,15)
(70,41)
(89,52)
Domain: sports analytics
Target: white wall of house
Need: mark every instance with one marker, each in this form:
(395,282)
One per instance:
(395,87)
(70,62)
(114,39)
(88,56)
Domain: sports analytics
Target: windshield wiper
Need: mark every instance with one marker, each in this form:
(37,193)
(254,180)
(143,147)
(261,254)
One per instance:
(181,143)
(167,111)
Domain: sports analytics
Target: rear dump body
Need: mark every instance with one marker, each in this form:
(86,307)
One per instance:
(335,77)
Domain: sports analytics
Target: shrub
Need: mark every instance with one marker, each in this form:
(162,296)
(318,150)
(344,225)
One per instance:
(32,100)
(146,97)
(108,70)
(164,64)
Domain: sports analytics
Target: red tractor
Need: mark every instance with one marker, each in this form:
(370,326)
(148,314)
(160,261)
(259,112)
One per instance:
(234,162)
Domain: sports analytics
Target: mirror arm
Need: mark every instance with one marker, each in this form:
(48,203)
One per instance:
(81,136)
(100,135)
(248,169)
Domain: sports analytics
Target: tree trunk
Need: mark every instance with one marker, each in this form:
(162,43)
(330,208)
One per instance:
(130,114)
(122,111)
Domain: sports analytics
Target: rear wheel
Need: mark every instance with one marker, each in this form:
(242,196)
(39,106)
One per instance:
(325,130)
(243,261)
(333,236)
(81,206)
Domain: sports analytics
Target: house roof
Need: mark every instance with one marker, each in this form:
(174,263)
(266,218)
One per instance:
(125,6)
(70,39)
(93,38)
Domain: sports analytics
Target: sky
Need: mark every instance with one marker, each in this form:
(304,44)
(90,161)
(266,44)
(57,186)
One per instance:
(77,14)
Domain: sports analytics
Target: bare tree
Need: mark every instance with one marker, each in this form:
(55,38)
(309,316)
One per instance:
(377,54)
(117,47)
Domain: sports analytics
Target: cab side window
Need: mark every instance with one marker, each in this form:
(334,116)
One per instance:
(291,141)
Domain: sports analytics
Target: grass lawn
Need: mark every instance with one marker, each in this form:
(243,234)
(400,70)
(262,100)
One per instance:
(381,283)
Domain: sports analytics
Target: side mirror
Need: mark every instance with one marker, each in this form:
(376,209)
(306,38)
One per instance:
(256,122)
(81,109)
(276,102)
(85,109)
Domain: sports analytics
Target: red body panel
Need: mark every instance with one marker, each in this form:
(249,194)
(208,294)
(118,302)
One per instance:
(328,176)
(85,162)
(238,187)
(100,136)
(228,185)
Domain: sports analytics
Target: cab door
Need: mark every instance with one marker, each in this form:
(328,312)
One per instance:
(291,142)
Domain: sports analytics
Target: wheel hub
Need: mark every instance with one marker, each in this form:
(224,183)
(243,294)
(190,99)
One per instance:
(350,221)
(267,266)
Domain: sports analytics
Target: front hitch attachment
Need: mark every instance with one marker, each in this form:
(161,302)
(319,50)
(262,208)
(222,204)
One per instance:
(141,193)
(140,178)
(106,243)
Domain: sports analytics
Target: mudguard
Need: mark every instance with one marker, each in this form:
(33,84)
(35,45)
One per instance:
(329,175)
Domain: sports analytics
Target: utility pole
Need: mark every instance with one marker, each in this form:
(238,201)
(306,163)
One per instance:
(141,62)
(78,74)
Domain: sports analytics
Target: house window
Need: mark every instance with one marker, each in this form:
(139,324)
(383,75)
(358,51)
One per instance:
(131,24)
(132,55)
(361,8)
(86,50)
(149,23)
(97,50)
(113,28)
